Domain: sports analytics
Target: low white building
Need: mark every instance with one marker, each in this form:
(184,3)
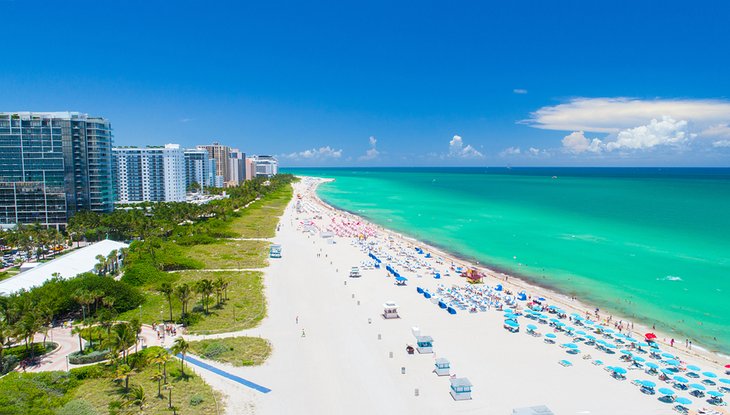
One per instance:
(66,266)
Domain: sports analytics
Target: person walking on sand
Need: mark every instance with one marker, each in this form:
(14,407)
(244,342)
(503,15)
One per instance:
(303,334)
(297,320)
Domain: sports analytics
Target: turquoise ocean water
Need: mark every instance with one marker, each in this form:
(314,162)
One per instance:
(651,244)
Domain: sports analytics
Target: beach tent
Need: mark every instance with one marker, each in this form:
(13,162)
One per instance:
(390,310)
(442,367)
(460,389)
(424,344)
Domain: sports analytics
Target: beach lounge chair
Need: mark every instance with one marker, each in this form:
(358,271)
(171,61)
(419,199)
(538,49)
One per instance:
(565,363)
(598,362)
(681,409)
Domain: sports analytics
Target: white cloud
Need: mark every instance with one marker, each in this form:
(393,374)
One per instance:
(666,131)
(611,115)
(372,152)
(510,151)
(577,142)
(721,144)
(717,131)
(459,150)
(321,153)
(537,152)
(519,91)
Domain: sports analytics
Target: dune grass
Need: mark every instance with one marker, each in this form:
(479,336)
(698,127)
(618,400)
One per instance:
(238,351)
(259,219)
(231,254)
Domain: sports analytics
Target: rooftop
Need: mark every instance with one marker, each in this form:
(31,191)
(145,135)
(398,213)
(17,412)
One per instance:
(67,266)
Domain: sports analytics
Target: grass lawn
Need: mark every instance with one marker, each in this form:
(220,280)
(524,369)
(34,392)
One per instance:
(92,388)
(38,349)
(231,254)
(245,307)
(238,351)
(259,220)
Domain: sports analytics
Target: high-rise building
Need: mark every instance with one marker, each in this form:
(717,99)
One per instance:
(236,167)
(250,168)
(220,153)
(197,168)
(150,174)
(266,166)
(52,165)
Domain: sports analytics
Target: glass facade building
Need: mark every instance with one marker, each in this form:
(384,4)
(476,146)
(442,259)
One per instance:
(53,165)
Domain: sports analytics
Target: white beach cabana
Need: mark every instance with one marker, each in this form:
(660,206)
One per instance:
(424,344)
(460,389)
(390,310)
(443,366)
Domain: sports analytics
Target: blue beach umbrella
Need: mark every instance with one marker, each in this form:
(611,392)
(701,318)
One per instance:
(560,324)
(619,370)
(498,287)
(639,359)
(725,381)
(568,328)
(532,327)
(693,367)
(626,352)
(668,372)
(610,345)
(709,374)
(580,332)
(570,345)
(672,362)
(683,401)
(716,394)
(680,379)
(666,391)
(511,323)
(648,384)
(550,336)
(668,355)
(652,365)
(591,338)
(698,387)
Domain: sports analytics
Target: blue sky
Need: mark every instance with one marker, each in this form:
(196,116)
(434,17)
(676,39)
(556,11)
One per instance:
(387,83)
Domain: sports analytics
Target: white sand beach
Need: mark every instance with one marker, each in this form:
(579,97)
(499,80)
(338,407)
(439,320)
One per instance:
(337,357)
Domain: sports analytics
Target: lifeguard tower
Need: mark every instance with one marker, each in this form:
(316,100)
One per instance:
(275,251)
(461,389)
(424,344)
(473,276)
(390,310)
(442,367)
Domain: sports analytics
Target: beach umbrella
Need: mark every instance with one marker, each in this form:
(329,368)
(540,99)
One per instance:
(532,327)
(626,352)
(672,362)
(568,328)
(610,345)
(725,381)
(668,355)
(511,323)
(619,370)
(580,332)
(648,384)
(570,345)
(666,391)
(550,336)
(638,359)
(652,365)
(709,374)
(609,331)
(716,394)
(643,344)
(683,401)
(693,367)
(590,338)
(698,387)
(650,336)
(560,324)
(680,379)
(554,320)
(668,372)
(498,287)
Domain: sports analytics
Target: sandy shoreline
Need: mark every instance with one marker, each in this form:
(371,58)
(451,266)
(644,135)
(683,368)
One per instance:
(519,282)
(334,353)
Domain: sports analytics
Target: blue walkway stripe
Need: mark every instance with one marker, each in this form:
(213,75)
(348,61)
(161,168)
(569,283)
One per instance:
(227,375)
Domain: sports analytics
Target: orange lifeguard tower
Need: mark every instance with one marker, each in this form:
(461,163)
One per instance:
(473,276)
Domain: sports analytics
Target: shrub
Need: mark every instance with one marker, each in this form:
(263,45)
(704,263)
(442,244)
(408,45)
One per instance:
(196,400)
(8,363)
(214,350)
(89,372)
(77,358)
(140,274)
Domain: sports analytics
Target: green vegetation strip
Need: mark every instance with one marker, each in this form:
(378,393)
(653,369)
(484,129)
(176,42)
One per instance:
(90,390)
(259,220)
(231,254)
(238,351)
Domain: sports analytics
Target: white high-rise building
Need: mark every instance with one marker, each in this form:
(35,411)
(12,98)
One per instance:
(266,166)
(150,174)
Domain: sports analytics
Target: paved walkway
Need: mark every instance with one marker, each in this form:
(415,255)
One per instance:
(225,374)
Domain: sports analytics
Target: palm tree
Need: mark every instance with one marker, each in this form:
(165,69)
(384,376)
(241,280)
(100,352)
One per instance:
(157,377)
(83,297)
(122,374)
(161,358)
(77,330)
(184,293)
(101,264)
(136,397)
(205,288)
(121,338)
(219,284)
(181,347)
(28,326)
(167,289)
